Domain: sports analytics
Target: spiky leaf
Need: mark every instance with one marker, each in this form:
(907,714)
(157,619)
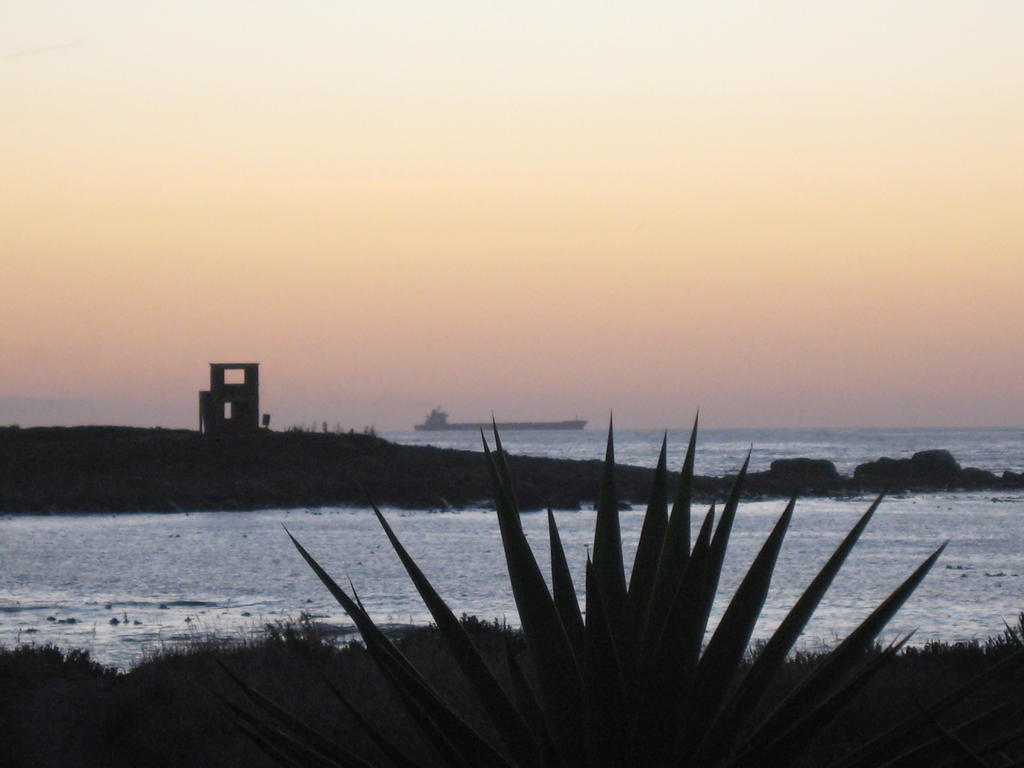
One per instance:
(652,536)
(557,667)
(510,726)
(564,591)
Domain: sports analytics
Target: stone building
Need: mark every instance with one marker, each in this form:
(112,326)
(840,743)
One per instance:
(232,403)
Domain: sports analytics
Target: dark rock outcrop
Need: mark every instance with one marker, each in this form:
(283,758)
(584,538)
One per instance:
(788,476)
(935,465)
(925,469)
(805,473)
(972,477)
(929,470)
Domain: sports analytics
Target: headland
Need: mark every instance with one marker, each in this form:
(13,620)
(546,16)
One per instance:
(127,469)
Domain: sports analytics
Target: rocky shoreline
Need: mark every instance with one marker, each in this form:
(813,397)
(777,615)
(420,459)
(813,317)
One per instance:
(125,469)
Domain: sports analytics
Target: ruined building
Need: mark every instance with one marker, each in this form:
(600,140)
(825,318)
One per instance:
(232,403)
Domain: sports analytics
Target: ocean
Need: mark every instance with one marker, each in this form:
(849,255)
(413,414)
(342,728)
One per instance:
(126,585)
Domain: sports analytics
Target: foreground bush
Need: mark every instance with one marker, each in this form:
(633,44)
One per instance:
(637,682)
(161,714)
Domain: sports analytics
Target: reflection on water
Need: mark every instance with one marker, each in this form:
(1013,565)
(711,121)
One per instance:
(121,584)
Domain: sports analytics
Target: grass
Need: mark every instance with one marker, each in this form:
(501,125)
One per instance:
(161,713)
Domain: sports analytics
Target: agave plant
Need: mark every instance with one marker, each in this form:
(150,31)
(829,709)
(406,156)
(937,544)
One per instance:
(634,680)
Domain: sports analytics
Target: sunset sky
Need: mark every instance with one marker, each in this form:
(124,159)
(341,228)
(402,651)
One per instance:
(796,213)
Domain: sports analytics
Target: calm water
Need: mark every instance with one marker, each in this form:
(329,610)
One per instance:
(64,578)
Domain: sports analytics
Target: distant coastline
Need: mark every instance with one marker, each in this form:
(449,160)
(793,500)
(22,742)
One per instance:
(127,469)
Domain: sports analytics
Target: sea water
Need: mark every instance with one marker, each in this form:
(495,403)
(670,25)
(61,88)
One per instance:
(121,585)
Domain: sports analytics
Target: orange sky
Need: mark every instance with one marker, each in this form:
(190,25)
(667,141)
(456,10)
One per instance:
(803,215)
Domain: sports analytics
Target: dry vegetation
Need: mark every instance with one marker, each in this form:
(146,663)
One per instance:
(62,709)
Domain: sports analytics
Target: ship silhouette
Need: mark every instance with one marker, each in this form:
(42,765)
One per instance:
(437,421)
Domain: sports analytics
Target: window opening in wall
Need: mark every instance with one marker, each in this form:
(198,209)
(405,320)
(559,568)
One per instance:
(234,376)
(227,410)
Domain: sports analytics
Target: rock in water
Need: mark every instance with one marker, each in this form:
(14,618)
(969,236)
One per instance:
(925,469)
(804,473)
(937,465)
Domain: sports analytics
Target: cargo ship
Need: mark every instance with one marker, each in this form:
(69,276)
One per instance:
(437,421)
